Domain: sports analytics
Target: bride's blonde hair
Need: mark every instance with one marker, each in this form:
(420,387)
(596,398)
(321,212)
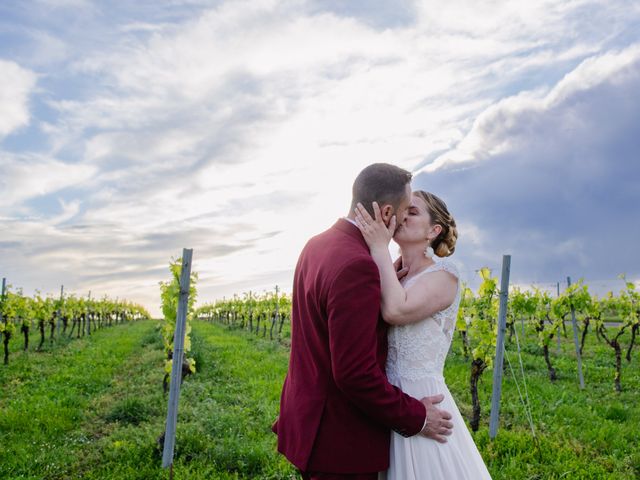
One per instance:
(445,243)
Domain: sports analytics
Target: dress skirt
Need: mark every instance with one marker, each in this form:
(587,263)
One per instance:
(420,458)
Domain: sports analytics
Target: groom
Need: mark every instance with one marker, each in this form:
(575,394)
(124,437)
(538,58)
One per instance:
(337,406)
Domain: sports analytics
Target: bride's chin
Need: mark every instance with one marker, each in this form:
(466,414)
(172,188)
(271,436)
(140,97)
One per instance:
(397,237)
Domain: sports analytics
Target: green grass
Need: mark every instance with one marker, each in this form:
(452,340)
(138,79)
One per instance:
(47,395)
(93,408)
(60,340)
(591,433)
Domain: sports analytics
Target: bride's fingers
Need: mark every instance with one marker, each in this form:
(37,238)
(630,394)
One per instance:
(363,211)
(376,212)
(359,218)
(392,225)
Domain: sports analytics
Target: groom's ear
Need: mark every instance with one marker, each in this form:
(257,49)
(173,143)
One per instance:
(387,212)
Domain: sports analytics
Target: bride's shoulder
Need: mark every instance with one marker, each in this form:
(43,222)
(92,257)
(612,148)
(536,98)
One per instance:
(447,265)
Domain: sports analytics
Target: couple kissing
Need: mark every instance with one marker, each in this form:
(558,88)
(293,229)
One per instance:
(364,396)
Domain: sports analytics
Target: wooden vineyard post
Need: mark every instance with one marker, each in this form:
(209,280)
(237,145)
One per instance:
(176,363)
(575,339)
(497,364)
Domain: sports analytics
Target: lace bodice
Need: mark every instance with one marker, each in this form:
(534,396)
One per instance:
(418,350)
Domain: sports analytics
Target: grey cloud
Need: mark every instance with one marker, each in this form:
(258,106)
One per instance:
(102,276)
(563,197)
(217,130)
(208,243)
(112,259)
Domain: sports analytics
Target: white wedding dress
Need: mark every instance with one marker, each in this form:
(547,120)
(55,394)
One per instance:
(415,364)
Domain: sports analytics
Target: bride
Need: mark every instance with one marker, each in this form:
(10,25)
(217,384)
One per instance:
(421,309)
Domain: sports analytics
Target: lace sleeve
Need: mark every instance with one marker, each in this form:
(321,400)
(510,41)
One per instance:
(447,266)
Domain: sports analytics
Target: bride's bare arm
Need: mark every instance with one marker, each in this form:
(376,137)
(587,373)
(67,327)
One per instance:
(429,294)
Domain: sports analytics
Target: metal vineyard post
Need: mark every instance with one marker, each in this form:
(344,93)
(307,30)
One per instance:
(497,364)
(575,340)
(178,352)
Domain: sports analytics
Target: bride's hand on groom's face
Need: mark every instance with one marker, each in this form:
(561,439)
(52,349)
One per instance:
(375,232)
(439,423)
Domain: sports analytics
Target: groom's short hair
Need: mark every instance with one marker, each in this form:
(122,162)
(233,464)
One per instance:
(382,183)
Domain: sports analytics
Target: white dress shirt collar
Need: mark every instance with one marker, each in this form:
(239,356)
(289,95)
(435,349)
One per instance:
(353,222)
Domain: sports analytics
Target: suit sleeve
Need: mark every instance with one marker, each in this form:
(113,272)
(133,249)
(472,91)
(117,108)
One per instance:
(353,306)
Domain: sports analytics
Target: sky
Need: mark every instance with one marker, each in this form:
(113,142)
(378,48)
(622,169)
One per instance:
(131,130)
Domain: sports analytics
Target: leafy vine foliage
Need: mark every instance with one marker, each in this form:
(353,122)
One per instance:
(256,313)
(20,311)
(482,312)
(535,311)
(170,296)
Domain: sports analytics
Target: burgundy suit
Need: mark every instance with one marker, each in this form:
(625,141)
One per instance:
(337,406)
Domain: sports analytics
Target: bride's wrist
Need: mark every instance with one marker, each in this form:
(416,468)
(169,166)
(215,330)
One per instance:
(379,251)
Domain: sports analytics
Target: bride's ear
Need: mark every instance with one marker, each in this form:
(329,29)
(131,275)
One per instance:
(438,229)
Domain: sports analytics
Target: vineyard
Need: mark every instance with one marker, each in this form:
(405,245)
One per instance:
(538,315)
(255,313)
(50,315)
(94,406)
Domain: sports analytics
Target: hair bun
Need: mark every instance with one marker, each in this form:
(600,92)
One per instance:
(447,245)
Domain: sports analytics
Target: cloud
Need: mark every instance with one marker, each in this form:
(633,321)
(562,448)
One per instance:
(64,3)
(236,128)
(123,262)
(16,84)
(28,176)
(552,179)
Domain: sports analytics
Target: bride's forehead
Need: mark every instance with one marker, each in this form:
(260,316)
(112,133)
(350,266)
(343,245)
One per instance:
(418,203)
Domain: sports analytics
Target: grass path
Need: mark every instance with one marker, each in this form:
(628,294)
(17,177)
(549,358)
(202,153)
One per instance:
(94,408)
(46,396)
(224,416)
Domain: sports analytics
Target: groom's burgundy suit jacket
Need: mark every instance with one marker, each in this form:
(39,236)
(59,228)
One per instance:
(337,406)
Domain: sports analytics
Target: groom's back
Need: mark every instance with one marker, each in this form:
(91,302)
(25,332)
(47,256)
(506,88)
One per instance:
(322,259)
(319,428)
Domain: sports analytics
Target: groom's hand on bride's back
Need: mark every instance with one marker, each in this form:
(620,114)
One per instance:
(438,425)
